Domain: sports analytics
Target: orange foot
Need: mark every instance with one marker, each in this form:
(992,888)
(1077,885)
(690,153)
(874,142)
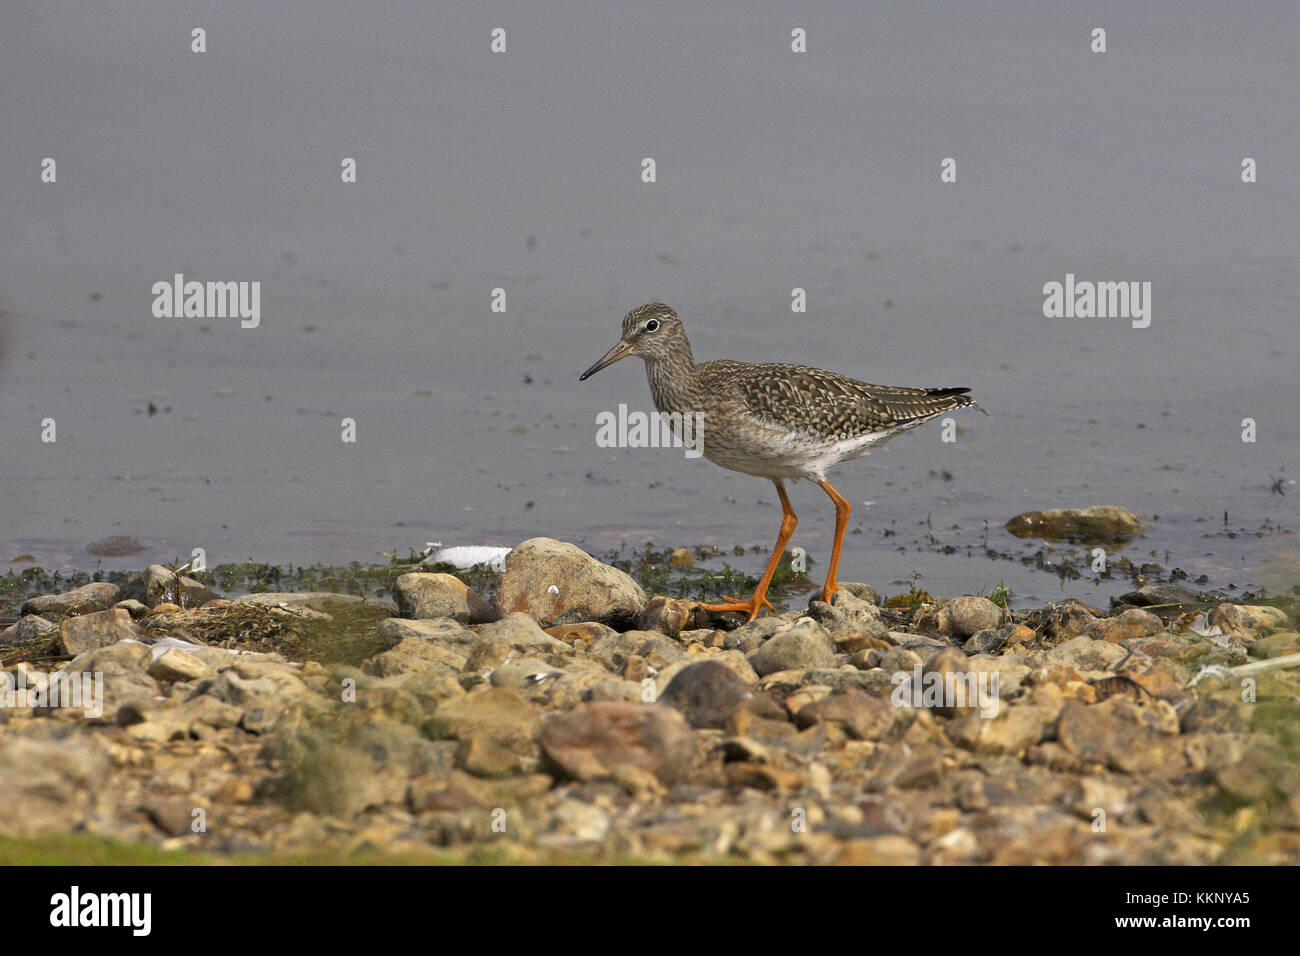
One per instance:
(750,607)
(828,592)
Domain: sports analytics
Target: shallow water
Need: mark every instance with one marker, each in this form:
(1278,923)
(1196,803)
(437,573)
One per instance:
(522,171)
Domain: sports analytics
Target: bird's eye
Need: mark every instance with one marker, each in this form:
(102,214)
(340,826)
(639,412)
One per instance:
(652,325)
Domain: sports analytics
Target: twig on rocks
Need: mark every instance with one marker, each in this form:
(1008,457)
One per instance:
(1253,669)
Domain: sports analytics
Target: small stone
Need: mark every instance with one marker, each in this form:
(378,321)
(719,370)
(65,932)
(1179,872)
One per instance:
(954,668)
(1277,644)
(989,640)
(588,632)
(96,596)
(1065,621)
(681,558)
(31,629)
(172,815)
(136,609)
(761,776)
(443,631)
(523,674)
(157,585)
(234,791)
(425,595)
(665,614)
(62,783)
(656,649)
(1085,654)
(706,693)
(884,850)
(317,602)
(490,755)
(520,631)
(1123,735)
(865,718)
(591,740)
(416,655)
(1252,617)
(846,613)
(970,614)
(1014,729)
(749,637)
(175,664)
(1126,626)
(81,634)
(802,645)
(495,709)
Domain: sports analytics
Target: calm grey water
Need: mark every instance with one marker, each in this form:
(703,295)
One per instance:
(522,171)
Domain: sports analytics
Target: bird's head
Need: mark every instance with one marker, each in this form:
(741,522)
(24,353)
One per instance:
(651,331)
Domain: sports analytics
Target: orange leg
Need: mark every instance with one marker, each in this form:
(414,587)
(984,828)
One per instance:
(759,600)
(842,509)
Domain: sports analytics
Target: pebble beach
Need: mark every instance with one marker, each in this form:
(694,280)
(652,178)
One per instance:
(551,709)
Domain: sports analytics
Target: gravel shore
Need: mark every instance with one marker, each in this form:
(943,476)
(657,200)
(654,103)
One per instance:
(567,714)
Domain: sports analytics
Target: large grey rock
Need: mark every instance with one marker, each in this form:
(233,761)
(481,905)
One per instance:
(558,583)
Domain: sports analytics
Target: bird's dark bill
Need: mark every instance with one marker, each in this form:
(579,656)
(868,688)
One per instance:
(609,358)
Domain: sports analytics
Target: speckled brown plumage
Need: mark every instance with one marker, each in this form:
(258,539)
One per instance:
(776,421)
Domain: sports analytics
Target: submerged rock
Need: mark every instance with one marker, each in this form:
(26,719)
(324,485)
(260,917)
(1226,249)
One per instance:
(1104,523)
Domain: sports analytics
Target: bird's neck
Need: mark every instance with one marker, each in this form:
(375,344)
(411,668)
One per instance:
(672,378)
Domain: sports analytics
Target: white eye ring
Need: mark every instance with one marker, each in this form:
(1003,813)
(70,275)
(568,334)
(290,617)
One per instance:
(652,325)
